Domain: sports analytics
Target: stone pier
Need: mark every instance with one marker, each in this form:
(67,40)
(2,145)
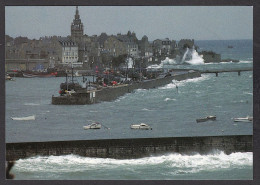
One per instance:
(130,148)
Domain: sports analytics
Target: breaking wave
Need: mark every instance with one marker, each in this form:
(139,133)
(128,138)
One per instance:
(196,59)
(175,163)
(245,62)
(184,82)
(169,61)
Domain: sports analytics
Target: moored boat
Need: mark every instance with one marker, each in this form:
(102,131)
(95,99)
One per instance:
(212,118)
(94,125)
(38,74)
(8,77)
(141,126)
(27,118)
(246,119)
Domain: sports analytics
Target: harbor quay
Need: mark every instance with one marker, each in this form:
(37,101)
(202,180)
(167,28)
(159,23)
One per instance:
(131,148)
(113,92)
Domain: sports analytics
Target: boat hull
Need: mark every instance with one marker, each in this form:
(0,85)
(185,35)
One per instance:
(40,75)
(247,119)
(94,126)
(212,118)
(141,127)
(28,118)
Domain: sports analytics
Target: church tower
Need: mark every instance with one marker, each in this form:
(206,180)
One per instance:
(77,28)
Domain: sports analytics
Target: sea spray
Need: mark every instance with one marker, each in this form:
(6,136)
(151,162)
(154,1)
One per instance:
(185,55)
(168,61)
(192,54)
(196,59)
(130,63)
(187,163)
(184,82)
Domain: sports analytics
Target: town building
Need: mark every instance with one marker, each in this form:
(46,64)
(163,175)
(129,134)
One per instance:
(69,52)
(131,42)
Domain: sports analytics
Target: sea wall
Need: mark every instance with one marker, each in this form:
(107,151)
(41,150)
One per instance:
(130,148)
(112,93)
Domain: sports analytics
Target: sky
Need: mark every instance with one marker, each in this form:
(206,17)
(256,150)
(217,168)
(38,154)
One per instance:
(156,22)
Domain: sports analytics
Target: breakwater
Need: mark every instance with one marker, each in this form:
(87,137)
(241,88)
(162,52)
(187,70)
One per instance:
(112,93)
(130,148)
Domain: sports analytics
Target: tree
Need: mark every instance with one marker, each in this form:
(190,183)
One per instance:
(116,61)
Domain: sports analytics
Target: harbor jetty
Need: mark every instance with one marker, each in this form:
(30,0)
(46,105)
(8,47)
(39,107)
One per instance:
(216,71)
(113,92)
(131,148)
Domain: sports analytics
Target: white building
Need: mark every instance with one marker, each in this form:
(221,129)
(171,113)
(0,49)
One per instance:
(69,53)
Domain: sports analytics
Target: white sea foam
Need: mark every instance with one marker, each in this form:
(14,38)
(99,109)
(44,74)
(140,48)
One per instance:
(32,104)
(196,59)
(169,99)
(141,90)
(169,61)
(240,101)
(145,109)
(180,163)
(130,63)
(248,93)
(184,82)
(227,62)
(155,66)
(245,62)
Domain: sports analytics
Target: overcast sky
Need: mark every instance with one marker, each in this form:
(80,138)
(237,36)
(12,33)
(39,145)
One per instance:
(199,23)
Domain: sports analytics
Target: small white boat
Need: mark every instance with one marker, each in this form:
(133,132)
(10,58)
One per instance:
(8,77)
(212,118)
(142,126)
(28,118)
(246,119)
(94,125)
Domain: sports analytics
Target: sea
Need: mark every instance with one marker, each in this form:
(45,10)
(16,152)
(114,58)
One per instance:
(171,112)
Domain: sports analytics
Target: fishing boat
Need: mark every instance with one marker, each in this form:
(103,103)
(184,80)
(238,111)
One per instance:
(28,118)
(141,126)
(94,125)
(212,118)
(246,119)
(38,74)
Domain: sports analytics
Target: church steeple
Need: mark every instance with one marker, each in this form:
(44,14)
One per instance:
(77,13)
(77,27)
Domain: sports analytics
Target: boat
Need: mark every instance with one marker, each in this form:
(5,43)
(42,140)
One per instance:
(94,125)
(141,126)
(229,46)
(38,74)
(212,118)
(246,119)
(8,77)
(28,118)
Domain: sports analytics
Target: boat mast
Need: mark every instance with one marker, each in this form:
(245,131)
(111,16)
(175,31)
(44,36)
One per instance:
(72,73)
(67,80)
